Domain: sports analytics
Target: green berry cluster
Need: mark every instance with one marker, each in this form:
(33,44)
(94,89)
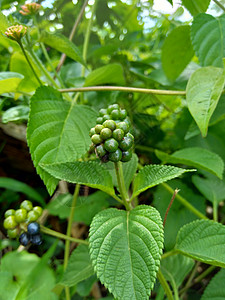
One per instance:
(17,220)
(111,137)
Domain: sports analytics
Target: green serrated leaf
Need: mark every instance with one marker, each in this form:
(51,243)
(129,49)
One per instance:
(9,81)
(215,289)
(62,44)
(58,131)
(195,157)
(204,89)
(196,6)
(152,175)
(91,173)
(207,34)
(79,267)
(177,51)
(203,240)
(111,73)
(125,249)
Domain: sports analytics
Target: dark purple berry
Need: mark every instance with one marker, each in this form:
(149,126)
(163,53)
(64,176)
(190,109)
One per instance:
(36,239)
(33,228)
(24,239)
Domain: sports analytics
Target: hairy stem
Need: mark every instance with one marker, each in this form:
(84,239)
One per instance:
(121,185)
(123,89)
(169,206)
(24,52)
(165,285)
(185,202)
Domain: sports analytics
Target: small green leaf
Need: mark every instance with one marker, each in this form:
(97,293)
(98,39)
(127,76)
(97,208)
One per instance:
(204,89)
(195,157)
(91,173)
(152,175)
(125,249)
(215,289)
(58,131)
(196,6)
(112,73)
(16,113)
(203,240)
(79,267)
(9,81)
(207,34)
(177,51)
(62,44)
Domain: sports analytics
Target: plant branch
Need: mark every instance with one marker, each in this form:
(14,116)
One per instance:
(169,206)
(62,236)
(169,253)
(219,4)
(165,285)
(24,52)
(185,202)
(123,89)
(77,21)
(121,185)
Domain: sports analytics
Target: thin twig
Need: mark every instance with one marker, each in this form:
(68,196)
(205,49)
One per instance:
(63,56)
(219,4)
(123,89)
(170,204)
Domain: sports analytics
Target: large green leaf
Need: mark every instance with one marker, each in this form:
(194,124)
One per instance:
(91,173)
(196,6)
(111,73)
(215,289)
(203,240)
(18,186)
(125,249)
(58,131)
(177,51)
(9,81)
(62,44)
(195,157)
(152,175)
(79,267)
(207,34)
(204,89)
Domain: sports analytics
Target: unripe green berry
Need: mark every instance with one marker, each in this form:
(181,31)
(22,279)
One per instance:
(20,215)
(123,126)
(126,156)
(9,212)
(126,143)
(12,233)
(115,156)
(100,151)
(10,222)
(130,136)
(102,112)
(112,107)
(118,134)
(92,131)
(26,204)
(32,216)
(106,133)
(115,114)
(111,145)
(123,114)
(98,128)
(110,124)
(99,120)
(106,117)
(96,139)
(38,210)
(127,121)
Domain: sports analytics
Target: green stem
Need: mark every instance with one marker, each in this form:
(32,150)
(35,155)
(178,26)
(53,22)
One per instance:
(165,285)
(204,274)
(215,210)
(62,236)
(169,253)
(189,282)
(219,4)
(185,202)
(121,185)
(24,52)
(123,89)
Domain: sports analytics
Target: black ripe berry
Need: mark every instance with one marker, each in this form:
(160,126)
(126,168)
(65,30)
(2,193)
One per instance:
(33,228)
(36,239)
(24,239)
